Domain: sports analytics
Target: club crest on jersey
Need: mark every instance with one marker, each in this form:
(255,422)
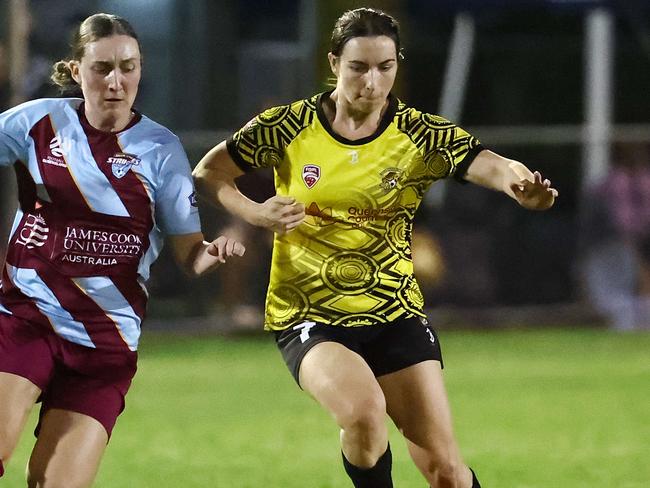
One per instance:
(390,178)
(193,200)
(310,174)
(121,163)
(34,232)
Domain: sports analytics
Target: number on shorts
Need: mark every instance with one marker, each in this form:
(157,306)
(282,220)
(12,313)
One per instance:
(304,328)
(432,338)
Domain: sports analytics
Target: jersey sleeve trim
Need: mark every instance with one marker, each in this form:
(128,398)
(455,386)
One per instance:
(463,166)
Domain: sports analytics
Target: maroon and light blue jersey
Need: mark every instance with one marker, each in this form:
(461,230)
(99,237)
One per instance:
(94,207)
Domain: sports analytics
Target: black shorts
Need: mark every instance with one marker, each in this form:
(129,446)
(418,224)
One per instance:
(385,347)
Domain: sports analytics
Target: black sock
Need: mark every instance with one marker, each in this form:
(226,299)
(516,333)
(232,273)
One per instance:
(2,469)
(475,483)
(376,477)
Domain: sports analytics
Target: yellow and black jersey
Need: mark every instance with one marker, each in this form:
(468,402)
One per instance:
(349,263)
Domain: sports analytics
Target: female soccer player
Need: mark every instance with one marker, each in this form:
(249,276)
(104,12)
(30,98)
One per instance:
(351,167)
(99,185)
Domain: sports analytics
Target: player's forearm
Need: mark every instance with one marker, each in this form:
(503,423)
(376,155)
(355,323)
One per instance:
(238,204)
(225,194)
(530,190)
(197,256)
(214,178)
(495,172)
(190,251)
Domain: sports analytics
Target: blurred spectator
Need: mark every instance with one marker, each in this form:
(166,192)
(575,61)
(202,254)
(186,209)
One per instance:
(616,240)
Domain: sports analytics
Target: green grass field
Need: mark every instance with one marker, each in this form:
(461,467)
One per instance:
(553,408)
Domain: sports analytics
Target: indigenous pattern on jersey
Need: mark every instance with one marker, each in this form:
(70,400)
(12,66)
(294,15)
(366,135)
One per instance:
(93,210)
(349,263)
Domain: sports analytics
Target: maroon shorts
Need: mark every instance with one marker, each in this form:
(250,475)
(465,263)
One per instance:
(71,377)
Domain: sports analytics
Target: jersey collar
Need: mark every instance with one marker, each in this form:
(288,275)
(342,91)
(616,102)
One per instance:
(386,119)
(89,129)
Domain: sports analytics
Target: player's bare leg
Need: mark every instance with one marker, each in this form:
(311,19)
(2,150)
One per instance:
(17,397)
(417,402)
(68,451)
(341,381)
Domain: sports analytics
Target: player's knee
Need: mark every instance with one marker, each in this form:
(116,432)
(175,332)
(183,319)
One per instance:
(363,414)
(363,425)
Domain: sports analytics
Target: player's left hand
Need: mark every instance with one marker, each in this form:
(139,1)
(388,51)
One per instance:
(224,247)
(535,193)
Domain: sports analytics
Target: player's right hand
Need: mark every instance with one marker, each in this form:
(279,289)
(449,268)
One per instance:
(281,214)
(224,247)
(531,190)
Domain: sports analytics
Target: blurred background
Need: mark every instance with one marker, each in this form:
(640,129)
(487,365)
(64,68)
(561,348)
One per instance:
(560,85)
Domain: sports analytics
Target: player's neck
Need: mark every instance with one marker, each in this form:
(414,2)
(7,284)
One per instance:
(108,122)
(348,122)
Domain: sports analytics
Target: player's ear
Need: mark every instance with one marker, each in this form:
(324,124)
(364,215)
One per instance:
(73,65)
(334,63)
